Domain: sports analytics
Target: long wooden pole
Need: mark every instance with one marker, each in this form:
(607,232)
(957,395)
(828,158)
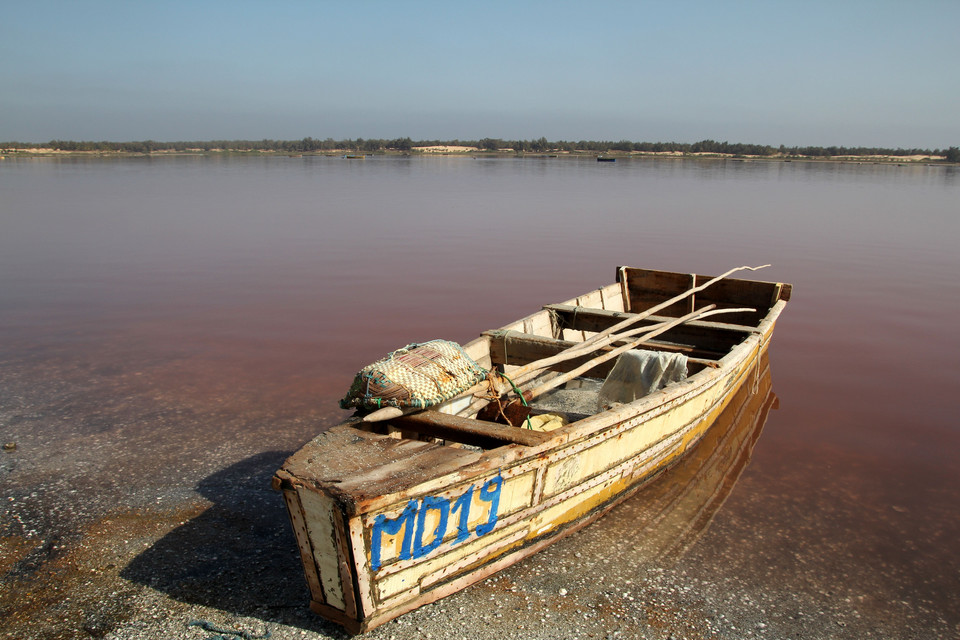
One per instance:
(633,319)
(590,344)
(581,347)
(593,362)
(647,335)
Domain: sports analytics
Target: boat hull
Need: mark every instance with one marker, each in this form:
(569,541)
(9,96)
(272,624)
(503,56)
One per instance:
(424,521)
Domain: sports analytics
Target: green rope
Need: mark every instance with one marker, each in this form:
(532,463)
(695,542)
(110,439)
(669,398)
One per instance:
(519,393)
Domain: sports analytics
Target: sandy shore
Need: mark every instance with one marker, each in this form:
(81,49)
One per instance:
(445,149)
(173,531)
(185,563)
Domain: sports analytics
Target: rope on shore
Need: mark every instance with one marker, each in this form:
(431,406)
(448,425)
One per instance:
(225,634)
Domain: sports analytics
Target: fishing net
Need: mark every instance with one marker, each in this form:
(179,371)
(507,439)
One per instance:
(416,376)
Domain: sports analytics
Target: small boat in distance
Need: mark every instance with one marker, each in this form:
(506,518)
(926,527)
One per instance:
(582,403)
(354,156)
(605,159)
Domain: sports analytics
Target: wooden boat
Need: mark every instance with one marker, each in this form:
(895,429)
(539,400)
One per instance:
(394,514)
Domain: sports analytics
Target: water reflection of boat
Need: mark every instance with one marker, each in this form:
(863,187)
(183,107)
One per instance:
(394,514)
(669,514)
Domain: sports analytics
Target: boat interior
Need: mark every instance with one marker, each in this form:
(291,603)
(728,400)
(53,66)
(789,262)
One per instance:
(514,349)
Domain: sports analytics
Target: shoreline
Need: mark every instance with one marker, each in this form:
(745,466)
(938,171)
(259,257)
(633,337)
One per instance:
(472,152)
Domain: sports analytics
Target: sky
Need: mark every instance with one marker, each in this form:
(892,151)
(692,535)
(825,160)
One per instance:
(807,72)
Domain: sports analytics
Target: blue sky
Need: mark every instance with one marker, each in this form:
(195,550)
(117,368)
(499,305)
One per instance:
(845,72)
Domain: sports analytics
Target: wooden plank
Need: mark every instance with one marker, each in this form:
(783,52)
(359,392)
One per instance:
(612,297)
(538,324)
(707,339)
(358,556)
(523,349)
(646,288)
(533,348)
(345,560)
(622,280)
(739,293)
(597,319)
(298,522)
(335,615)
(516,349)
(649,288)
(319,513)
(353,466)
(478,433)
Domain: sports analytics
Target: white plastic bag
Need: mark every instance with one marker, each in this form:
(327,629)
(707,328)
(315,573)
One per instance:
(638,373)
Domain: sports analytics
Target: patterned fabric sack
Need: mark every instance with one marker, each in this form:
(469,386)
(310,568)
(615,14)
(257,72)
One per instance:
(417,376)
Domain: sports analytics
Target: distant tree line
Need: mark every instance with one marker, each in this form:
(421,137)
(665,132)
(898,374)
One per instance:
(540,145)
(149,146)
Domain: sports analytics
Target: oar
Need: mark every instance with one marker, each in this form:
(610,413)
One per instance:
(647,335)
(634,318)
(524,373)
(535,367)
(593,362)
(579,350)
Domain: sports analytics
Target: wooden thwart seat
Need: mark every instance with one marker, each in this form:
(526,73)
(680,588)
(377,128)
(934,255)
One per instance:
(702,338)
(516,349)
(477,433)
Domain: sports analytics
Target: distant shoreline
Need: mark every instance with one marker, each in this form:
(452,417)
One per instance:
(463,151)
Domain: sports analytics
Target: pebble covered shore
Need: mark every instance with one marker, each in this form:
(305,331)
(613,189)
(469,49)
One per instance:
(161,559)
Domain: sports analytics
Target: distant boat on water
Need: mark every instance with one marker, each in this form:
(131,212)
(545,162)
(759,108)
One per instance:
(354,157)
(604,159)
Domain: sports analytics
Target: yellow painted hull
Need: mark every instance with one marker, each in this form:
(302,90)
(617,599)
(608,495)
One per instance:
(433,518)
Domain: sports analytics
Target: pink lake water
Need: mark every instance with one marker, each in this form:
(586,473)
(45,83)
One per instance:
(162,319)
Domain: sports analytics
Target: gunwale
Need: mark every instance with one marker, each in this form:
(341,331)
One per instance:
(394,471)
